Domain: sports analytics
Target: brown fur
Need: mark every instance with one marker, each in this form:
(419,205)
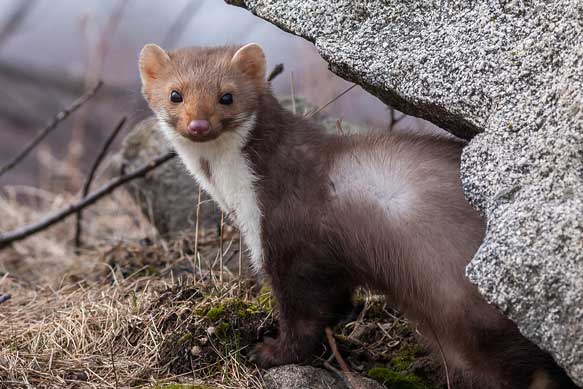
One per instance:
(321,242)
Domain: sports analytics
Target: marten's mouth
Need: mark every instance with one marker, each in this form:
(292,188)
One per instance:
(201,137)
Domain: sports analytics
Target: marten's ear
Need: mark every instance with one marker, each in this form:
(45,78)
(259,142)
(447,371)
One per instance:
(152,59)
(250,60)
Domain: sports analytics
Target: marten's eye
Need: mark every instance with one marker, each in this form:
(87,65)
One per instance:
(226,99)
(175,97)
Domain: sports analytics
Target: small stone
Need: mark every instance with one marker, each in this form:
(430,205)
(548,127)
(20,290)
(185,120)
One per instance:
(308,377)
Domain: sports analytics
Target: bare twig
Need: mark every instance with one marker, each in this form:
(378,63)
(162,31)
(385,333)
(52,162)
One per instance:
(293,92)
(97,57)
(31,229)
(50,127)
(318,110)
(196,228)
(442,356)
(181,23)
(221,255)
(15,20)
(240,256)
(101,49)
(334,370)
(339,129)
(340,360)
(91,176)
(277,70)
(113,367)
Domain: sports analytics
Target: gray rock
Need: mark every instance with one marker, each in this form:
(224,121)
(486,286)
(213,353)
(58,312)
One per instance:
(510,74)
(308,377)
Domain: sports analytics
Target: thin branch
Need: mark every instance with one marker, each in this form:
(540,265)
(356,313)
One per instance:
(221,254)
(277,70)
(196,228)
(96,61)
(339,129)
(317,111)
(240,258)
(343,365)
(442,355)
(181,23)
(293,93)
(240,261)
(50,127)
(113,366)
(31,229)
(91,176)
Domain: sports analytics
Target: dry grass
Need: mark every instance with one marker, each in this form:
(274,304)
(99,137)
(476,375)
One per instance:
(134,333)
(109,317)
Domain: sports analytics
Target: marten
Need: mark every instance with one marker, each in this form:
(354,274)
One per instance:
(323,214)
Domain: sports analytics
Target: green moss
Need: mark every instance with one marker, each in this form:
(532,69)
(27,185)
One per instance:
(406,356)
(221,330)
(248,310)
(401,363)
(232,306)
(394,380)
(215,313)
(134,300)
(200,311)
(185,338)
(265,299)
(359,299)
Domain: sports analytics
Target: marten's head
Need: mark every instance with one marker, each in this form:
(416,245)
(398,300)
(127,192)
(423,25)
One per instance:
(201,93)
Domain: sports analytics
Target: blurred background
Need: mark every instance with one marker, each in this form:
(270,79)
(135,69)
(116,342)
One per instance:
(50,52)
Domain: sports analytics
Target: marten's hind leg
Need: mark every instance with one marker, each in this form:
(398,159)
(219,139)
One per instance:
(492,353)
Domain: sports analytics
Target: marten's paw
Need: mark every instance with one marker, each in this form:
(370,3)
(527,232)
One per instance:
(266,354)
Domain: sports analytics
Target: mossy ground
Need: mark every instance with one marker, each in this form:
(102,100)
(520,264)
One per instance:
(382,345)
(395,380)
(133,315)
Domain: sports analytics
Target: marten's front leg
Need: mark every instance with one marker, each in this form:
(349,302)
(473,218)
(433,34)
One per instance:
(308,300)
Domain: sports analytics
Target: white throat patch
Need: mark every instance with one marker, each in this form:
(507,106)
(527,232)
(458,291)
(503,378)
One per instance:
(232,182)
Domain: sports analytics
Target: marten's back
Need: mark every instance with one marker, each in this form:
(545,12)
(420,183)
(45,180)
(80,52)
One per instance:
(398,206)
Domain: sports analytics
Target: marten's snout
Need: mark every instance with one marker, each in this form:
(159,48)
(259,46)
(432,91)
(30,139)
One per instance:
(198,127)
(200,131)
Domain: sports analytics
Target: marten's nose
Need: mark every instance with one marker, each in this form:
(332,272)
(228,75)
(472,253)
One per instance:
(198,127)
